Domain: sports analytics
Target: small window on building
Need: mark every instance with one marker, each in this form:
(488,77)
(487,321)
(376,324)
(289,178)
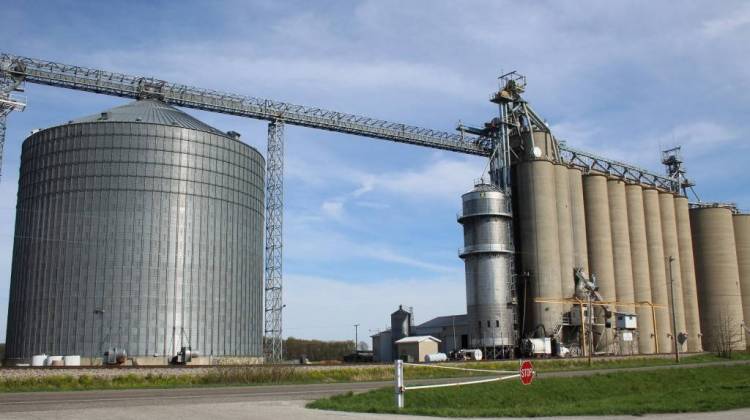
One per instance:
(479,324)
(488,323)
(497,323)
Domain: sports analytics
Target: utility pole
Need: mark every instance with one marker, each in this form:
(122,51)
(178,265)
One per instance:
(356,337)
(674,319)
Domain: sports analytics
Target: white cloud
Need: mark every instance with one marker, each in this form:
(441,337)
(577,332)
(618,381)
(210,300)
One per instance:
(333,209)
(327,308)
(316,242)
(700,136)
(726,24)
(300,74)
(443,179)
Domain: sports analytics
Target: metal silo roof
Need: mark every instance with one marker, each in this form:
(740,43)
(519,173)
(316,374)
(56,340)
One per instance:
(150,111)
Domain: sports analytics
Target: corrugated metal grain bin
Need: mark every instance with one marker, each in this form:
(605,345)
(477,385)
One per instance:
(138,228)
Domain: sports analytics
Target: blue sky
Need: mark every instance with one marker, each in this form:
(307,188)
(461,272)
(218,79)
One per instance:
(371,224)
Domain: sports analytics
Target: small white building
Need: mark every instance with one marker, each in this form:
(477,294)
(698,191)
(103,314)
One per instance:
(415,348)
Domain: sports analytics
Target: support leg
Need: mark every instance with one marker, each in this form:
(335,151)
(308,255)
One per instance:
(274,217)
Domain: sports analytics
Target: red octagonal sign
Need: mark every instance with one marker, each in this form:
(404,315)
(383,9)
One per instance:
(527,372)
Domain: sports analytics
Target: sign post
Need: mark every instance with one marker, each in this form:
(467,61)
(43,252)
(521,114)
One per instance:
(526,372)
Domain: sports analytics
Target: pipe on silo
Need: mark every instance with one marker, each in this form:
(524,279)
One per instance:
(657,269)
(742,242)
(687,269)
(623,265)
(565,232)
(717,275)
(640,268)
(599,236)
(578,218)
(673,269)
(540,252)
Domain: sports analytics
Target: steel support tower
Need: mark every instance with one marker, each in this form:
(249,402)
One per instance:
(14,70)
(274,244)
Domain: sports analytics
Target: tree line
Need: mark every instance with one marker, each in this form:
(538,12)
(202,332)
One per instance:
(317,350)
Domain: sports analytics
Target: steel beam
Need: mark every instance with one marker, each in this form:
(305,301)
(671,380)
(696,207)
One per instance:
(122,85)
(8,103)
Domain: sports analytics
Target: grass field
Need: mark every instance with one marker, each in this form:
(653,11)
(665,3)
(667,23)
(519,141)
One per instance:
(265,375)
(708,388)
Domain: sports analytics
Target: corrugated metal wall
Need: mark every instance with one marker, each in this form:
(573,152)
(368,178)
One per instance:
(156,228)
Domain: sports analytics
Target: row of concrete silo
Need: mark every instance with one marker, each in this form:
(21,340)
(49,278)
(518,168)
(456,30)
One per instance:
(721,244)
(651,255)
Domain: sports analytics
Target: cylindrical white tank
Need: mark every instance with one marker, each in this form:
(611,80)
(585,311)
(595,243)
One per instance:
(72,360)
(472,354)
(38,359)
(435,357)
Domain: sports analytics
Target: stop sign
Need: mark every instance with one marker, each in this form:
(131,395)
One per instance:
(527,372)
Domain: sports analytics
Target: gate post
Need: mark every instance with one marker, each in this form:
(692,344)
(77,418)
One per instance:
(399,366)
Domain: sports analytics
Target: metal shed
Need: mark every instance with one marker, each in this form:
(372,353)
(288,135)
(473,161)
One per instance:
(415,348)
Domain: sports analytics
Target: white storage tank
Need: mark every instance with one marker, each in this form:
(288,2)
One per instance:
(435,357)
(472,354)
(38,359)
(72,360)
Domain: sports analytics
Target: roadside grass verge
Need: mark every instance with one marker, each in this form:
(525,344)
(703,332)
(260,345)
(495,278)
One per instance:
(555,365)
(277,375)
(709,388)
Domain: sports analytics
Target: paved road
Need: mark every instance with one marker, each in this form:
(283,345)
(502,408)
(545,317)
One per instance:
(278,401)
(282,410)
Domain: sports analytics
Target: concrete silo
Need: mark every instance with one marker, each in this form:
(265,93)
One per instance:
(742,241)
(599,238)
(565,232)
(578,220)
(672,260)
(687,268)
(657,269)
(488,258)
(139,228)
(623,264)
(641,275)
(539,245)
(717,275)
